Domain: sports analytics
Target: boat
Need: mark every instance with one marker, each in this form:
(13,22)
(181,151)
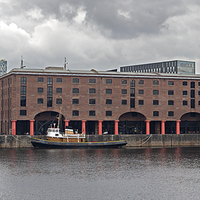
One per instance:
(71,139)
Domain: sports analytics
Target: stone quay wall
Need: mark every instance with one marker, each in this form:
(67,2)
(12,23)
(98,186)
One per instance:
(143,141)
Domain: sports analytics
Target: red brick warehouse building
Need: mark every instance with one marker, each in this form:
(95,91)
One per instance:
(99,102)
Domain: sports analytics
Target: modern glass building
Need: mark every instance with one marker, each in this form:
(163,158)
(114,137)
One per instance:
(3,67)
(174,67)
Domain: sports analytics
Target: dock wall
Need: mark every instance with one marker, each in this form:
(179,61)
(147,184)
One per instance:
(168,140)
(156,140)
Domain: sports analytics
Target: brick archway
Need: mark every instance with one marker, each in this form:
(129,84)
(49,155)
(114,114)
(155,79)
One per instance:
(44,119)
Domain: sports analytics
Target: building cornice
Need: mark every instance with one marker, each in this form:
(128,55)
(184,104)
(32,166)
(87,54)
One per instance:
(94,73)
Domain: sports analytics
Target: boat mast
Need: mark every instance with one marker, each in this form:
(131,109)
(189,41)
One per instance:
(59,117)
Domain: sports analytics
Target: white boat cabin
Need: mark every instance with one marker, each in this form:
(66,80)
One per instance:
(69,133)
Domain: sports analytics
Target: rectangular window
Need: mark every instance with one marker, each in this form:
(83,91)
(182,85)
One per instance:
(22,112)
(40,101)
(108,91)
(49,101)
(141,102)
(75,101)
(124,102)
(58,101)
(23,80)
(124,91)
(75,80)
(155,113)
(92,90)
(124,82)
(108,101)
(141,91)
(155,92)
(192,84)
(184,83)
(58,90)
(132,83)
(192,93)
(199,93)
(198,83)
(192,103)
(132,103)
(92,113)
(75,113)
(40,79)
(141,82)
(171,113)
(170,102)
(49,81)
(155,82)
(170,82)
(23,90)
(108,81)
(92,101)
(199,103)
(59,80)
(92,80)
(108,113)
(184,93)
(40,90)
(170,92)
(49,91)
(75,90)
(184,103)
(23,101)
(132,92)
(156,102)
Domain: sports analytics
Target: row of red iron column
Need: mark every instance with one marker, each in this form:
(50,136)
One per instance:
(100,126)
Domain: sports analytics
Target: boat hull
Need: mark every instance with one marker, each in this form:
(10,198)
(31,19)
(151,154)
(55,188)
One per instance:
(39,143)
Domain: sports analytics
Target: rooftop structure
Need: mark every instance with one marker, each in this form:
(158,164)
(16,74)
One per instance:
(3,67)
(173,67)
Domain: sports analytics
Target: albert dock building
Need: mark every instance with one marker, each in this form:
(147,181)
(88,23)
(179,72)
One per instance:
(99,102)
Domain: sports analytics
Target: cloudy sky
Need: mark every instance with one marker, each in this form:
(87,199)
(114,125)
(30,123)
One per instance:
(101,35)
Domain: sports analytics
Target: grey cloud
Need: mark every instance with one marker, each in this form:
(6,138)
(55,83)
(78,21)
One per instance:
(109,17)
(114,32)
(145,17)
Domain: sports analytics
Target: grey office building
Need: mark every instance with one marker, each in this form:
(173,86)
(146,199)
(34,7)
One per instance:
(3,67)
(174,67)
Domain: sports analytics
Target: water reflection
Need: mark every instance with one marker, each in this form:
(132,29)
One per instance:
(100,173)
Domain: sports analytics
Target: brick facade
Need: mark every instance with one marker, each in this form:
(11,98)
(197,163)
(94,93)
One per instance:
(98,96)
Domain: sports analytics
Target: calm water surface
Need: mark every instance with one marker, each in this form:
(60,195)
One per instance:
(100,174)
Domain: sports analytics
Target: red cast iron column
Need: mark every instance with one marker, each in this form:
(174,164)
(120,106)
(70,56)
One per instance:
(13,127)
(163,127)
(32,127)
(66,123)
(116,127)
(100,127)
(178,127)
(83,126)
(147,127)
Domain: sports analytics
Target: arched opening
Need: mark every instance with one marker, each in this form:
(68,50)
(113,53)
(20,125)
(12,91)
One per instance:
(44,119)
(190,123)
(132,123)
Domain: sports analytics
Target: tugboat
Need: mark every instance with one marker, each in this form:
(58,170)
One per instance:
(71,139)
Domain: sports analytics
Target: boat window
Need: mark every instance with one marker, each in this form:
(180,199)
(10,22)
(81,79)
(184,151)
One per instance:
(56,134)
